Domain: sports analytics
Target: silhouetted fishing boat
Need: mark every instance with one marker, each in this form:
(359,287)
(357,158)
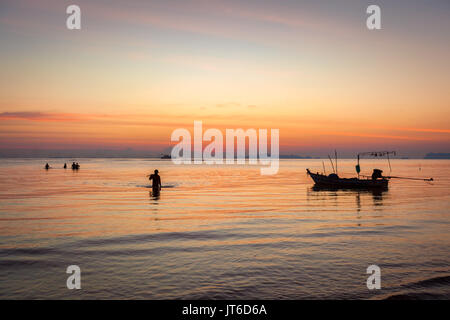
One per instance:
(334,181)
(375,182)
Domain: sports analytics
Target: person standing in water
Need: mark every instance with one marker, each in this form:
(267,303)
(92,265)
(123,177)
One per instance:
(156,183)
(75,166)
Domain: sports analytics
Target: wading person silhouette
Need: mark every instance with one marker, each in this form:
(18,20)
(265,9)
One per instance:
(75,166)
(156,182)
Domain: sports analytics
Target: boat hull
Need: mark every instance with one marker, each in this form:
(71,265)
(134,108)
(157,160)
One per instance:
(322,180)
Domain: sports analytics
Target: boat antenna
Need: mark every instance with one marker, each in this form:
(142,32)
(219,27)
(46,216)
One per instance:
(323,164)
(332,165)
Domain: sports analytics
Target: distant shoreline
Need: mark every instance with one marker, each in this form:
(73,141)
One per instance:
(132,154)
(168,160)
(437,156)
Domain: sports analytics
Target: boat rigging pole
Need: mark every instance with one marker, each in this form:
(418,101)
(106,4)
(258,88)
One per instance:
(335,155)
(332,165)
(407,178)
(375,154)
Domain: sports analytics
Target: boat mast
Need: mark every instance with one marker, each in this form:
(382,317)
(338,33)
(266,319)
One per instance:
(335,155)
(332,165)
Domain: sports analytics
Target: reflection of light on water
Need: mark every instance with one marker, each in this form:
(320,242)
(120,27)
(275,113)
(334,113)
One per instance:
(218,231)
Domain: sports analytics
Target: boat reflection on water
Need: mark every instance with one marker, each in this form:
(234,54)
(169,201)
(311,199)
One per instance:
(375,192)
(320,193)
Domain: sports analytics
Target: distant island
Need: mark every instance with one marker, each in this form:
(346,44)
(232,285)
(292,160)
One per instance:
(155,154)
(293,156)
(103,153)
(432,155)
(80,153)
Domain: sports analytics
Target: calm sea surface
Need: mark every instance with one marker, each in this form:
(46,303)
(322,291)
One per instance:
(220,232)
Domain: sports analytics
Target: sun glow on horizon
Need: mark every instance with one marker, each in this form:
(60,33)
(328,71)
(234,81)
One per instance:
(135,73)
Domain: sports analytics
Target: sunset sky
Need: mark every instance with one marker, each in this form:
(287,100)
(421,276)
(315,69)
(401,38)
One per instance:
(137,70)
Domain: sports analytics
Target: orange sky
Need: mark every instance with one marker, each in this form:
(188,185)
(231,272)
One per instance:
(135,73)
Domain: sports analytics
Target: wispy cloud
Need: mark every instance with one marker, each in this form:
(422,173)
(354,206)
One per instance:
(40,116)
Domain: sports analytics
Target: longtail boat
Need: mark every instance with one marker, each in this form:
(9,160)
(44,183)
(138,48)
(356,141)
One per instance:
(376,181)
(334,181)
